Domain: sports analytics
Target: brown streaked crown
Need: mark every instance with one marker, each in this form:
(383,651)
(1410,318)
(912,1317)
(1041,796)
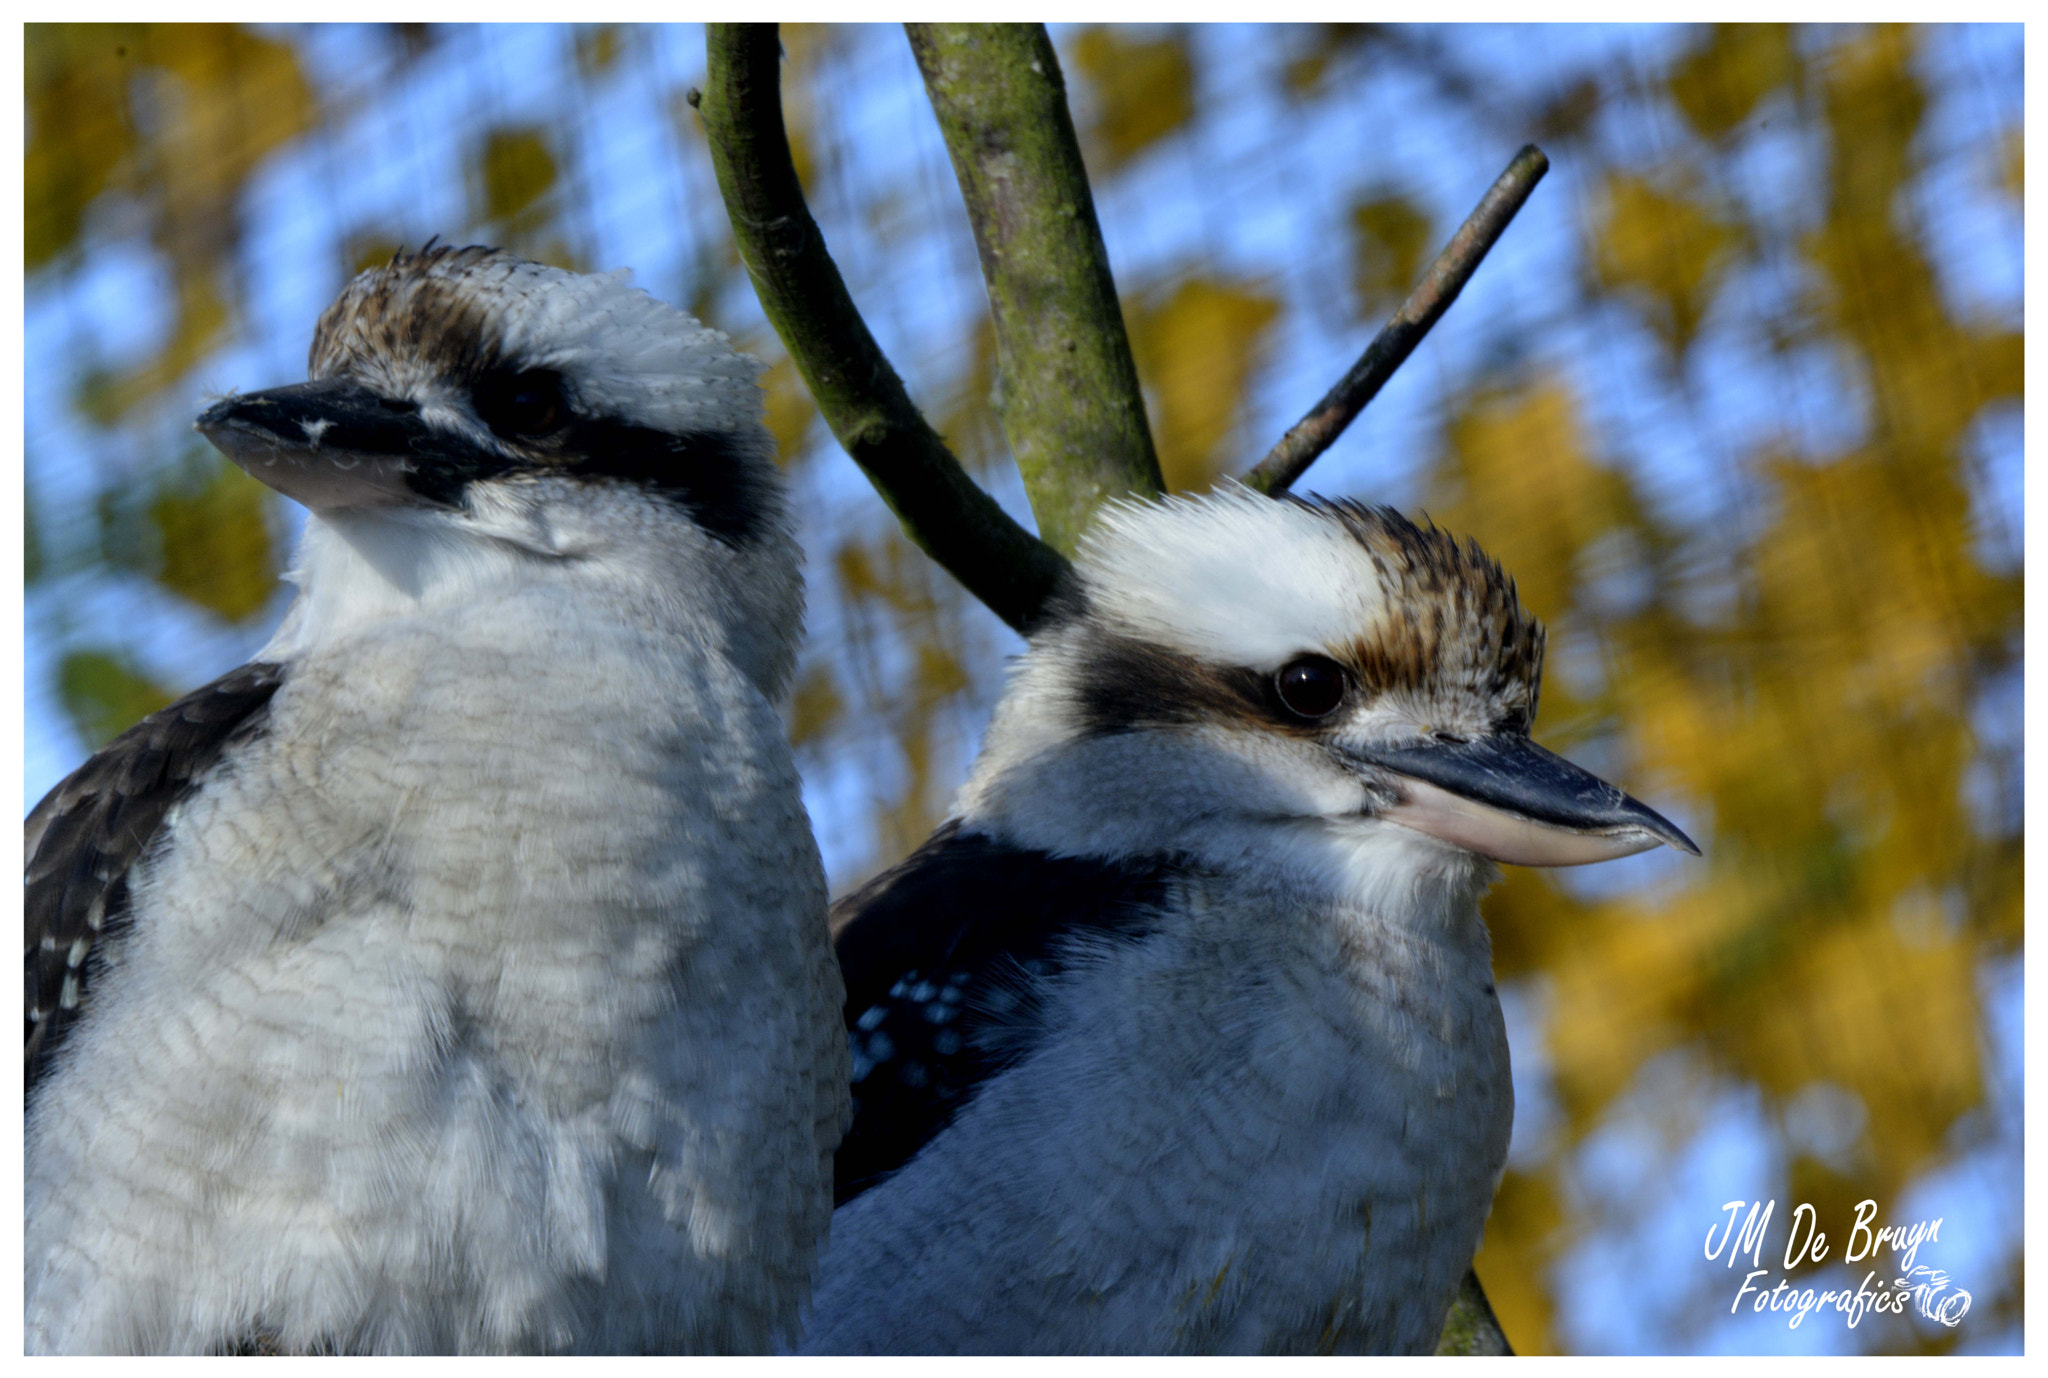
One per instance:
(1452,620)
(421,306)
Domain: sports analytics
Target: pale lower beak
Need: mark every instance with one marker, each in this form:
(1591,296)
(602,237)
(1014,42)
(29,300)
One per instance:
(1507,798)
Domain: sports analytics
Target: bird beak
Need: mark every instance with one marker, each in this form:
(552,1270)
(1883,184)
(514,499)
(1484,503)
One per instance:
(1507,798)
(330,443)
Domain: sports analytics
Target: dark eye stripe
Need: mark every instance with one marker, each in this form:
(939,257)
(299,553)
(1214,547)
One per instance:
(1128,685)
(713,475)
(726,490)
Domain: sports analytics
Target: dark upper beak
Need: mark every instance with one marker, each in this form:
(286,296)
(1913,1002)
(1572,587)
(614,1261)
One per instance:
(332,443)
(1505,797)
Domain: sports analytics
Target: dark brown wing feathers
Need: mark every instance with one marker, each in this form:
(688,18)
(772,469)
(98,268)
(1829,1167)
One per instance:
(86,835)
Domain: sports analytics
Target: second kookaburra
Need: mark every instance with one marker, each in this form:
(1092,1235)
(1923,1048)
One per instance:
(455,976)
(1181,1036)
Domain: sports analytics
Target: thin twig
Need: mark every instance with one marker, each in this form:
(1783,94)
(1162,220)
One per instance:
(860,396)
(1318,430)
(1070,404)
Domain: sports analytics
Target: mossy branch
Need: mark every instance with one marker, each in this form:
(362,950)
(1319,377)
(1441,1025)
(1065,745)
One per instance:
(860,396)
(1471,1328)
(1447,276)
(1068,398)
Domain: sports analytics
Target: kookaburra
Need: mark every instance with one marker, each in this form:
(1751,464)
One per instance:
(1181,1034)
(454,976)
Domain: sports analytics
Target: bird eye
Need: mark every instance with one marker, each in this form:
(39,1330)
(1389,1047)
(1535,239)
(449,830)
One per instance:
(522,404)
(1311,686)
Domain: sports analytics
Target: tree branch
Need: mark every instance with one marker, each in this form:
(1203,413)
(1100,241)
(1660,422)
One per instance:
(1318,430)
(1069,399)
(1471,1327)
(860,396)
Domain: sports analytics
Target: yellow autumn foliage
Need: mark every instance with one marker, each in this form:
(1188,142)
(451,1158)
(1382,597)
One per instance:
(1667,247)
(1393,240)
(1719,84)
(176,116)
(215,541)
(1144,89)
(1196,349)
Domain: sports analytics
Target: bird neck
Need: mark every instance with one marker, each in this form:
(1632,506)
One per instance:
(1368,866)
(359,570)
(356,570)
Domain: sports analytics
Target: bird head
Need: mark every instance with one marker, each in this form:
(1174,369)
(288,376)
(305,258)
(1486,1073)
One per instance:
(463,399)
(1229,671)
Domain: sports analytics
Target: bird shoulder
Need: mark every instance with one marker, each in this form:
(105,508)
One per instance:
(83,840)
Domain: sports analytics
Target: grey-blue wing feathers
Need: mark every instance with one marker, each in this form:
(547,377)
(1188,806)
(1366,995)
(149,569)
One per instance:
(944,958)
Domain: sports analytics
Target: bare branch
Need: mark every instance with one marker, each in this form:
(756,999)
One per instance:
(1318,430)
(1069,400)
(858,393)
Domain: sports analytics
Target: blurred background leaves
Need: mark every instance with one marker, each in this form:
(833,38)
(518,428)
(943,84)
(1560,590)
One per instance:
(1737,400)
